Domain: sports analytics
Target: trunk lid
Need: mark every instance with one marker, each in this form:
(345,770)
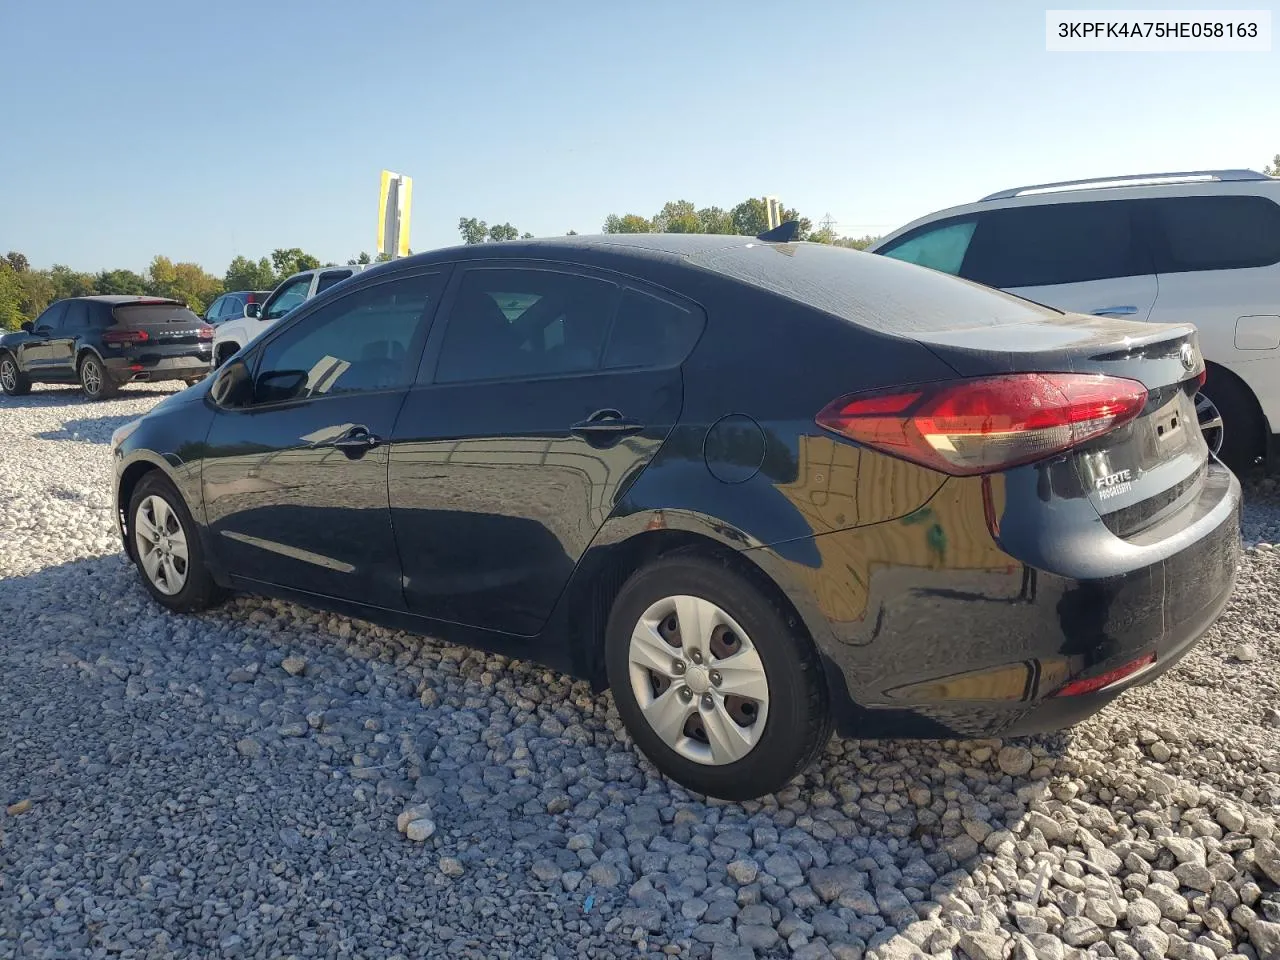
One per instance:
(1142,471)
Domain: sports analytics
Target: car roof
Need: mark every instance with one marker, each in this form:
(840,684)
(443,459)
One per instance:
(118,298)
(1202,183)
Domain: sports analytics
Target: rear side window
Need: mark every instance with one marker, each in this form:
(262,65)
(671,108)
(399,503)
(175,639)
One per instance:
(134,314)
(648,332)
(328,279)
(77,316)
(1049,244)
(942,248)
(511,323)
(1215,233)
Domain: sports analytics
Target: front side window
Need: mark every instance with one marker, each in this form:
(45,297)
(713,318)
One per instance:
(942,248)
(368,340)
(1215,233)
(51,319)
(510,323)
(1047,244)
(290,296)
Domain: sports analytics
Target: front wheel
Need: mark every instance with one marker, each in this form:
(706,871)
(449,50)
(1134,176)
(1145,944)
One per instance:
(715,681)
(95,382)
(166,547)
(13,381)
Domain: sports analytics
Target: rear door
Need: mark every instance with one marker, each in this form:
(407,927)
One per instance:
(1218,259)
(295,483)
(62,344)
(544,392)
(1082,257)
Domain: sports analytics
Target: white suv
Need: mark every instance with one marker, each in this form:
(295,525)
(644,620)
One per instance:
(231,335)
(1200,247)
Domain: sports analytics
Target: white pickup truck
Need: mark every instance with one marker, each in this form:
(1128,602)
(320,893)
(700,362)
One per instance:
(231,335)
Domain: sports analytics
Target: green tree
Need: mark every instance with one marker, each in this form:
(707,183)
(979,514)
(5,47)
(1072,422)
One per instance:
(292,260)
(37,292)
(183,281)
(20,264)
(120,281)
(246,274)
(11,315)
(503,231)
(628,223)
(473,231)
(750,218)
(1274,169)
(526,235)
(677,216)
(363,258)
(70,283)
(572,233)
(715,220)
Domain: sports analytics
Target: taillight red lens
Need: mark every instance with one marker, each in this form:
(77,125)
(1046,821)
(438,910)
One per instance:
(206,332)
(987,424)
(124,338)
(1203,378)
(1093,684)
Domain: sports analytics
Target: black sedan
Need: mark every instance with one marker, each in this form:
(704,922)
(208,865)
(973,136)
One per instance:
(758,489)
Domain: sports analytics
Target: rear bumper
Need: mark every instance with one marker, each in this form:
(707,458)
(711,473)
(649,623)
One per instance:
(145,368)
(929,628)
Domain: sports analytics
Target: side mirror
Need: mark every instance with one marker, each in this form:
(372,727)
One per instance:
(28,326)
(252,310)
(232,385)
(276,386)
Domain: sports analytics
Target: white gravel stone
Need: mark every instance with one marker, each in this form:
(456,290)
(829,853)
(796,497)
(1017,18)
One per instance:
(227,808)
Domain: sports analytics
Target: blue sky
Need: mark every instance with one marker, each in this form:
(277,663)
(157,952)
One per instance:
(206,130)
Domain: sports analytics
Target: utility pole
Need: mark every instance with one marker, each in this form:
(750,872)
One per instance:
(828,223)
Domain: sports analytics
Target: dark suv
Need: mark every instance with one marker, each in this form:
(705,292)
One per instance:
(104,342)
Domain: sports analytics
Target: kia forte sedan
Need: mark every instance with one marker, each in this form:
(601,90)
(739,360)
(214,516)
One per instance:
(758,489)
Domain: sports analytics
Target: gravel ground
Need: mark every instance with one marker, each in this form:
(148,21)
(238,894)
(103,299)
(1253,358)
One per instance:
(232,785)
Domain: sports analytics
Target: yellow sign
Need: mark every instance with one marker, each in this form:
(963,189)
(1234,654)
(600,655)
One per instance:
(395,199)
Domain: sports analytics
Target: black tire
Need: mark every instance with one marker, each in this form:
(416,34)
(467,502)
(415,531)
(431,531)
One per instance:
(225,353)
(798,721)
(13,381)
(192,381)
(199,592)
(1243,440)
(95,381)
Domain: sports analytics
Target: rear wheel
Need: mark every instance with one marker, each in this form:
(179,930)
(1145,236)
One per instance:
(1230,420)
(12,380)
(714,680)
(95,382)
(166,547)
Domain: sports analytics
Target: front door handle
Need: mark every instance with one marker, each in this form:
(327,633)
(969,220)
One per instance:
(1115,311)
(606,425)
(356,441)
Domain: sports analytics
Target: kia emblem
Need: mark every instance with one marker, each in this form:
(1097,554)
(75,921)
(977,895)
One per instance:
(1187,356)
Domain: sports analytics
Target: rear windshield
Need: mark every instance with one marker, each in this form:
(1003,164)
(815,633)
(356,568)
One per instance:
(869,290)
(142,313)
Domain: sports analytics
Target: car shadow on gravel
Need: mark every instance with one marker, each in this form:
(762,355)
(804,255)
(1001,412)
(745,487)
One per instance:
(59,396)
(307,734)
(88,429)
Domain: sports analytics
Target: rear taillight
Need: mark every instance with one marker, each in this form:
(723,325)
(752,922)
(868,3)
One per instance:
(983,425)
(206,331)
(1202,379)
(1078,688)
(124,338)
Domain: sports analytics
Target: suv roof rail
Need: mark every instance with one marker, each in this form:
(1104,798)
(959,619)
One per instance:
(1132,179)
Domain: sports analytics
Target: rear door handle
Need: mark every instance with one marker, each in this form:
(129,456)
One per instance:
(606,423)
(1115,311)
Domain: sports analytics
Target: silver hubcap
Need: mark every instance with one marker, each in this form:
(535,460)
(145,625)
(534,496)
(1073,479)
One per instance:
(699,681)
(90,377)
(1210,422)
(162,545)
(8,375)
